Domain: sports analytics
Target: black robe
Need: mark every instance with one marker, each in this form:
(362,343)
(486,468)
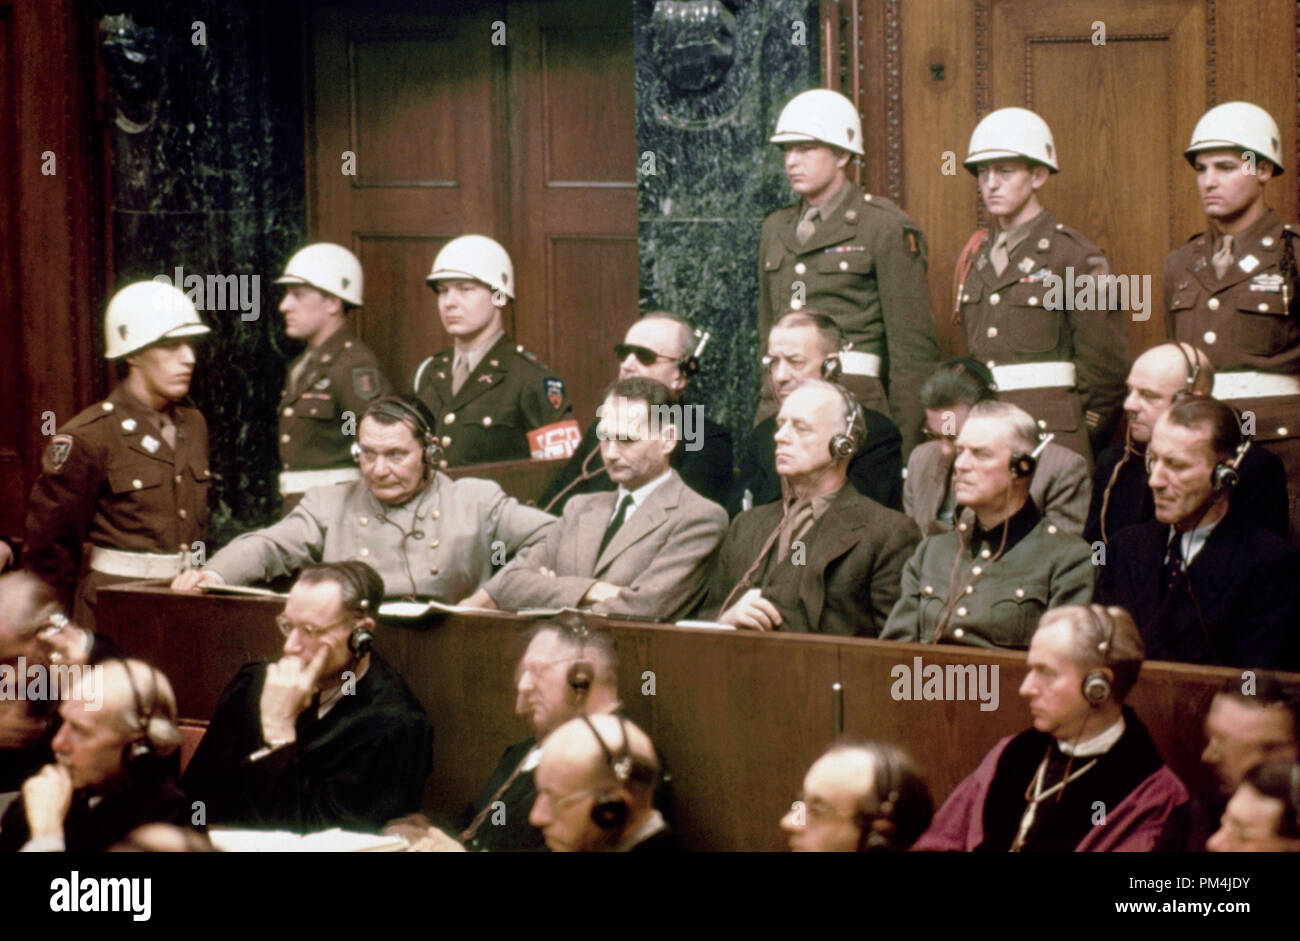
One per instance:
(362,765)
(150,796)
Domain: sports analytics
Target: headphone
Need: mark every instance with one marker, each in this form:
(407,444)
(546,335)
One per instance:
(1193,369)
(410,411)
(610,812)
(876,827)
(690,363)
(361,641)
(845,444)
(1023,465)
(582,672)
(1225,476)
(832,368)
(1096,687)
(138,752)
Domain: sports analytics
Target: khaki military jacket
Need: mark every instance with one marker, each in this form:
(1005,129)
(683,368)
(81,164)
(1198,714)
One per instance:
(444,542)
(1042,567)
(1007,319)
(1242,320)
(864,267)
(507,395)
(340,377)
(109,478)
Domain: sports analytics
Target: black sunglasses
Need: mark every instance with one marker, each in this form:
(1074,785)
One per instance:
(644,355)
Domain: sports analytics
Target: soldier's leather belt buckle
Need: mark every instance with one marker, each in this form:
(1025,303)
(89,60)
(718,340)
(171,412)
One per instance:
(854,363)
(302,481)
(126,564)
(1034,376)
(1248,384)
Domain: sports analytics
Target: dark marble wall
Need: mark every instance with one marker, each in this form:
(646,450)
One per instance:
(711,78)
(208,175)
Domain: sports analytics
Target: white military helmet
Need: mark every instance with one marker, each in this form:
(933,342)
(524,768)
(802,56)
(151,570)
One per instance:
(1237,125)
(1010,133)
(326,267)
(820,115)
(475,258)
(146,312)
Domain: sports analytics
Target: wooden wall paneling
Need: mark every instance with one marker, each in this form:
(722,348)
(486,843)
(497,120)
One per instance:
(415,97)
(1120,152)
(573,187)
(937,119)
(12,445)
(52,315)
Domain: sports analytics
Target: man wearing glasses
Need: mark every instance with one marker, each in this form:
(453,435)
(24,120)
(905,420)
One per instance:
(327,736)
(661,346)
(1059,487)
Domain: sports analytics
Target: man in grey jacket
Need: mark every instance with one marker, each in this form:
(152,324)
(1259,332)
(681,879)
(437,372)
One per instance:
(424,533)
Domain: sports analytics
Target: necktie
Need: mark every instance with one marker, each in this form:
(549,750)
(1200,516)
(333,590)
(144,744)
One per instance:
(1222,259)
(297,372)
(168,428)
(804,230)
(798,519)
(615,524)
(459,373)
(998,253)
(1173,564)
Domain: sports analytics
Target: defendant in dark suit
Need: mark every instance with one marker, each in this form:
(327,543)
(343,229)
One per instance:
(830,559)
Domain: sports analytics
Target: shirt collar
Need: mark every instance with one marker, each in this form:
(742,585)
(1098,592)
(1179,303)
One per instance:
(475,356)
(1193,541)
(1099,744)
(639,495)
(653,824)
(1018,527)
(1017,233)
(825,210)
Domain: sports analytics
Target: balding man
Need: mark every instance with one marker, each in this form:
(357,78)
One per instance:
(859,797)
(1120,495)
(1086,777)
(1204,583)
(664,347)
(826,559)
(595,789)
(805,344)
(114,766)
(987,582)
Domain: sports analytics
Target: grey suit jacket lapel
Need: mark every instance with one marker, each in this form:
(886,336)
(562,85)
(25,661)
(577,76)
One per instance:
(644,519)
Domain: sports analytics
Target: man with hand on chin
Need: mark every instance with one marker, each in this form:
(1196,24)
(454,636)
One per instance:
(1086,777)
(830,558)
(327,736)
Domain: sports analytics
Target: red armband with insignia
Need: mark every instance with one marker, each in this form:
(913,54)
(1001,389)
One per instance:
(556,440)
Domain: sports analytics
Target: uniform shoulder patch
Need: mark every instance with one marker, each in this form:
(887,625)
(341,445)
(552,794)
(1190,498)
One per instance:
(554,390)
(57,454)
(913,239)
(365,381)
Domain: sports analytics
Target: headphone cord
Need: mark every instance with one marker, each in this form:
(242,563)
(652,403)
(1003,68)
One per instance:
(746,580)
(953,597)
(1129,451)
(414,532)
(586,474)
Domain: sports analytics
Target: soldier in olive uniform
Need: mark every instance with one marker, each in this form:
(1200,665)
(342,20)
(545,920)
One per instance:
(1231,290)
(492,399)
(128,475)
(854,256)
(1064,366)
(987,582)
(327,388)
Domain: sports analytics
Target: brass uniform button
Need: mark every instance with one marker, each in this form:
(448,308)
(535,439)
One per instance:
(995,299)
(800,268)
(1213,303)
(993,331)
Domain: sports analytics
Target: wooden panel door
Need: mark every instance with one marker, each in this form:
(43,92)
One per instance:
(515,120)
(1121,113)
(573,187)
(413,98)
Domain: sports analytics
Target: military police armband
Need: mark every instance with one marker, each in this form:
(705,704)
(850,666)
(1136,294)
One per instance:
(556,440)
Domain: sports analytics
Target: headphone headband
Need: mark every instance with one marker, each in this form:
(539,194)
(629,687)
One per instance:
(846,444)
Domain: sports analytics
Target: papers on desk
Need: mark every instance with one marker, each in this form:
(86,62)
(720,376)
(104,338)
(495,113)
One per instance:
(323,841)
(419,609)
(710,625)
(221,589)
